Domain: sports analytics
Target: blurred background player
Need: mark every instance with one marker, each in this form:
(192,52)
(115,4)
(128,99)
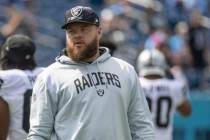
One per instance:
(15,91)
(18,53)
(18,73)
(164,95)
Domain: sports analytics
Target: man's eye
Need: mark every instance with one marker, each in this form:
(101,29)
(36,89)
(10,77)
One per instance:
(70,31)
(85,28)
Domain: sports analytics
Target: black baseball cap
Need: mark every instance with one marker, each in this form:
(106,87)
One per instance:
(19,44)
(81,14)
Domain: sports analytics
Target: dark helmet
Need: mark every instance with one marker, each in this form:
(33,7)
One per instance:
(18,52)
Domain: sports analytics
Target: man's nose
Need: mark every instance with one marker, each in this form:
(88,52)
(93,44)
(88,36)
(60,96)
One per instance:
(78,34)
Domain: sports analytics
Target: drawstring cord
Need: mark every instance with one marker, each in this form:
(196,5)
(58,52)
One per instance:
(91,77)
(97,64)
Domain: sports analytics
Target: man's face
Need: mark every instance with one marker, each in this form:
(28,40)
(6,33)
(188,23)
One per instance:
(82,41)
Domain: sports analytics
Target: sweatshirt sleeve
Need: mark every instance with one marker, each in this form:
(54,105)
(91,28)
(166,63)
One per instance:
(139,116)
(43,109)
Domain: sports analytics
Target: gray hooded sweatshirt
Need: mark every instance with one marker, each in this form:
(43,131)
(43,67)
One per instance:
(82,101)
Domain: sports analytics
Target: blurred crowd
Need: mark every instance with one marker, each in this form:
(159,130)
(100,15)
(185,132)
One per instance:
(178,28)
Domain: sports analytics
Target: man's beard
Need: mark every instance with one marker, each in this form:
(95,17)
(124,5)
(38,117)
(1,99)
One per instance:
(89,51)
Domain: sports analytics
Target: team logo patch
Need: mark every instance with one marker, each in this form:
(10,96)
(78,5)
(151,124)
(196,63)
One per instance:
(100,92)
(76,11)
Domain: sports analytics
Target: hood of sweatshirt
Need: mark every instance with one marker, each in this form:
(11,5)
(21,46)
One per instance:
(104,55)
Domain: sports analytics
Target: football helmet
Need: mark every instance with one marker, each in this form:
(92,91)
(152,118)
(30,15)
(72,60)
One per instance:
(151,62)
(18,52)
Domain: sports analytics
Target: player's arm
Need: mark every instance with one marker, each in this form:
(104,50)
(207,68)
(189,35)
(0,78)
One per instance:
(139,116)
(185,108)
(4,119)
(16,17)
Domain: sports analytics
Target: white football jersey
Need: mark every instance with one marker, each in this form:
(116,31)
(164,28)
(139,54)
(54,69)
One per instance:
(16,89)
(32,74)
(163,96)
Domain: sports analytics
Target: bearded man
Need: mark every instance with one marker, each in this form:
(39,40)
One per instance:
(87,94)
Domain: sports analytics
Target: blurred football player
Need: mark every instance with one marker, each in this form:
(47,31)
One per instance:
(18,73)
(18,53)
(164,95)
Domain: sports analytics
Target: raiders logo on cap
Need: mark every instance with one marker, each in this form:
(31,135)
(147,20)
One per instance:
(76,11)
(81,14)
